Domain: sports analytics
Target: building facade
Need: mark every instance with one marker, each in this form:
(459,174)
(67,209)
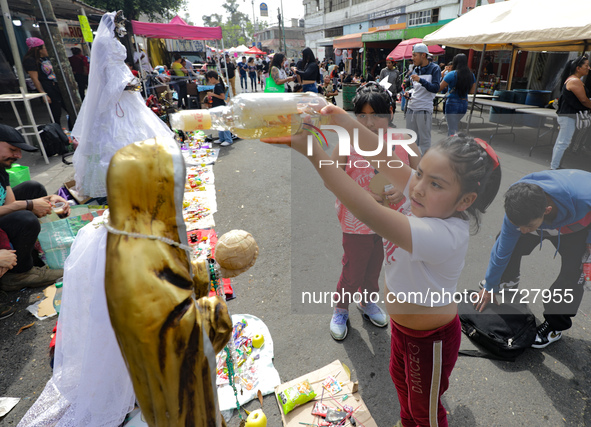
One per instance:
(383,23)
(271,39)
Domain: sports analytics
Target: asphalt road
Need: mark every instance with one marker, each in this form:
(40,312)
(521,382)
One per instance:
(276,196)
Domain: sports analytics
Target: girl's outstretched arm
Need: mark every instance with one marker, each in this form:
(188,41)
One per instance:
(390,224)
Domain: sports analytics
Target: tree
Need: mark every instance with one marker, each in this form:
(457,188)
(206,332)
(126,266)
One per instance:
(187,19)
(214,20)
(238,28)
(133,8)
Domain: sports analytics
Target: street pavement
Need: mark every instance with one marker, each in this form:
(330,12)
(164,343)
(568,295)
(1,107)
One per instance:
(276,195)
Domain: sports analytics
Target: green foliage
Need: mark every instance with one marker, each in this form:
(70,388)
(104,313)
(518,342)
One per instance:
(238,27)
(133,8)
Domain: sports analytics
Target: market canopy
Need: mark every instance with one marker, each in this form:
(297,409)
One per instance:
(404,50)
(177,29)
(255,51)
(350,41)
(534,25)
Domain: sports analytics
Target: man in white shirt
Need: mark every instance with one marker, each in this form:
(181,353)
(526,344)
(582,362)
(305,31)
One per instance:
(141,57)
(425,80)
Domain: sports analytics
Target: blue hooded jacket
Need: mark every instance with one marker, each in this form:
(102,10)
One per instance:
(571,192)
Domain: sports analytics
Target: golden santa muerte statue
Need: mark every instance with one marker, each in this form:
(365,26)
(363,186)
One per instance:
(168,330)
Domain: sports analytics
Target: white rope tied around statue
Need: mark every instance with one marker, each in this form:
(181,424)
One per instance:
(231,349)
(166,240)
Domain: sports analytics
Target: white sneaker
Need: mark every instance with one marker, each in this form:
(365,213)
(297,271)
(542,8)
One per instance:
(374,314)
(338,324)
(225,144)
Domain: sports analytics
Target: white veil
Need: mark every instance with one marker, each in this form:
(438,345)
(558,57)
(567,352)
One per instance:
(107,78)
(111,117)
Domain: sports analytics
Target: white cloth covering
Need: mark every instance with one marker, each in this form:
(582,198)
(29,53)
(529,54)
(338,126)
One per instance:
(110,117)
(90,385)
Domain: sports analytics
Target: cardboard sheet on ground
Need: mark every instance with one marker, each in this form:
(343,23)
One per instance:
(303,413)
(268,377)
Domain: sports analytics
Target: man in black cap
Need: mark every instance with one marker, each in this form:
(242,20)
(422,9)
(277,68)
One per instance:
(20,209)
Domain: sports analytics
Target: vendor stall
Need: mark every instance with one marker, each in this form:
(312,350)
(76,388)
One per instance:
(531,25)
(177,29)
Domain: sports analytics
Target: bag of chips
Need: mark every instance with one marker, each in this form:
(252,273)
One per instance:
(295,395)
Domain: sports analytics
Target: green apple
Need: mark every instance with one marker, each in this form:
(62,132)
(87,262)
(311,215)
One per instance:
(258,340)
(256,419)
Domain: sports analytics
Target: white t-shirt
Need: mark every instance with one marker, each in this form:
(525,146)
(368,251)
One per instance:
(143,57)
(439,248)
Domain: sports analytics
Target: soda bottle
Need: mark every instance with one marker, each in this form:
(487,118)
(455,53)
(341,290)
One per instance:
(256,115)
(57,299)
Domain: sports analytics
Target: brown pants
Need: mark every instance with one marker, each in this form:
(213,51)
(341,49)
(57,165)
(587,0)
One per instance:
(233,84)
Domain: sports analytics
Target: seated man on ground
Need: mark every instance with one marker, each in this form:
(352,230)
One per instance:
(20,209)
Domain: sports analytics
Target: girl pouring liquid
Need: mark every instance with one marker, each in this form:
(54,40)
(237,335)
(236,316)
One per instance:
(363,248)
(455,181)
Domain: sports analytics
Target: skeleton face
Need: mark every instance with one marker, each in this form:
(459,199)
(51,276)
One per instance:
(120,24)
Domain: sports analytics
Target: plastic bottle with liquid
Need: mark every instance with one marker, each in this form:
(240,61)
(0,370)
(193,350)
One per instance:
(57,299)
(256,115)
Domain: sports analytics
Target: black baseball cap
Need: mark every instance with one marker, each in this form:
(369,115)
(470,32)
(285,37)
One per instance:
(13,137)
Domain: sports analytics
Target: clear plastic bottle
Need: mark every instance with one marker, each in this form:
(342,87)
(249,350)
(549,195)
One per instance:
(256,115)
(57,299)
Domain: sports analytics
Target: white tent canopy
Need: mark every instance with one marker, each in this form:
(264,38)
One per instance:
(533,25)
(241,48)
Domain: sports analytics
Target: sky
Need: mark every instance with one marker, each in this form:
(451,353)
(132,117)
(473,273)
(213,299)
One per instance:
(291,9)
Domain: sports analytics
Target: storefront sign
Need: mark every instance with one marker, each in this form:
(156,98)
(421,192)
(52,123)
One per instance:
(383,36)
(388,12)
(185,45)
(71,35)
(85,27)
(264,9)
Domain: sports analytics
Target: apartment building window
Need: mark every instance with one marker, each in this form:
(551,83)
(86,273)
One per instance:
(332,5)
(423,17)
(333,32)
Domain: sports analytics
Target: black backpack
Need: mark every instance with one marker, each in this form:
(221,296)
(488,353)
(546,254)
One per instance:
(503,331)
(54,139)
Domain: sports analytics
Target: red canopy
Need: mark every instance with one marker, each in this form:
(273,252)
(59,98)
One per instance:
(177,29)
(255,51)
(404,50)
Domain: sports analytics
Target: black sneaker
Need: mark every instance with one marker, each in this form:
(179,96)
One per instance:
(545,336)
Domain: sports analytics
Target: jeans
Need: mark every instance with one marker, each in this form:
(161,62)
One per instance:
(225,136)
(253,81)
(22,227)
(243,81)
(420,122)
(565,135)
(557,312)
(310,87)
(455,109)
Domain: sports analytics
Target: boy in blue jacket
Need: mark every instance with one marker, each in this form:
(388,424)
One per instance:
(553,205)
(425,80)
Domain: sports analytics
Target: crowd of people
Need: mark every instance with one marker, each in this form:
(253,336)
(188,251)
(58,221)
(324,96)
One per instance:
(437,195)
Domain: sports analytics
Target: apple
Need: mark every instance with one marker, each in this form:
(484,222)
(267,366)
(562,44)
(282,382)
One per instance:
(256,419)
(258,340)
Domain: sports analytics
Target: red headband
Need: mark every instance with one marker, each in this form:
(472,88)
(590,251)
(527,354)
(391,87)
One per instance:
(489,150)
